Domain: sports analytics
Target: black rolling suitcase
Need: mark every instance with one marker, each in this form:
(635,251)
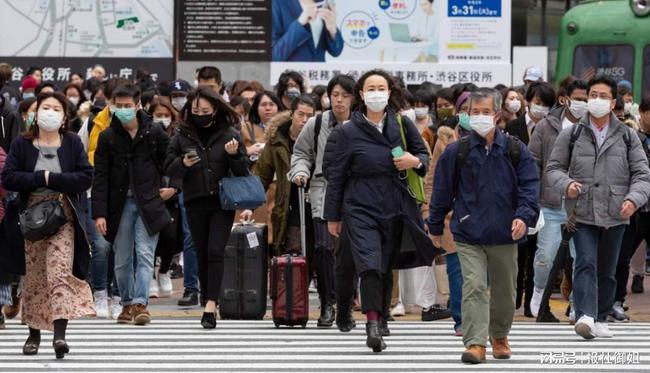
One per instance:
(244,286)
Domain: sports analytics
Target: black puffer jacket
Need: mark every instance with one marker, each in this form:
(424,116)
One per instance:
(122,163)
(10,124)
(202,179)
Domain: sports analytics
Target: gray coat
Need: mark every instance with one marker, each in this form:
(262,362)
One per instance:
(540,146)
(609,175)
(303,159)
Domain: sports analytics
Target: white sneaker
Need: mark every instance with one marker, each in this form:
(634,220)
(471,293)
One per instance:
(116,307)
(165,284)
(585,327)
(536,300)
(153,288)
(398,310)
(101,304)
(602,331)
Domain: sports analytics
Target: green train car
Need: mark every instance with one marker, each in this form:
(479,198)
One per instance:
(610,37)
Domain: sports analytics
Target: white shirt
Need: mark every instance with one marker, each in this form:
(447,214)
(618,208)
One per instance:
(529,123)
(566,123)
(600,134)
(379,126)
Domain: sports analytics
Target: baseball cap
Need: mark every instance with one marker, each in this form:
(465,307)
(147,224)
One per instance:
(179,85)
(534,74)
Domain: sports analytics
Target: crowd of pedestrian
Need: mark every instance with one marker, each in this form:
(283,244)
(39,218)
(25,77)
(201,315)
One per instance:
(453,202)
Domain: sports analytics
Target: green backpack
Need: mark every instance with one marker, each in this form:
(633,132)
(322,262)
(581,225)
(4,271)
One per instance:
(415,181)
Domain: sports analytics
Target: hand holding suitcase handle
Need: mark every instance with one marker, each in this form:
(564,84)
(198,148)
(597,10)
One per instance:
(246,217)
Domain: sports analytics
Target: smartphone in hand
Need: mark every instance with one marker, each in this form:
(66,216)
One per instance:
(397,152)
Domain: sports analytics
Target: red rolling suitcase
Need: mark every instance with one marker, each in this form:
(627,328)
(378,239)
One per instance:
(290,281)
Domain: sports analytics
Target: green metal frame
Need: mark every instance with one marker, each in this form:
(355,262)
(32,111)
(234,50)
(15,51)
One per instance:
(603,22)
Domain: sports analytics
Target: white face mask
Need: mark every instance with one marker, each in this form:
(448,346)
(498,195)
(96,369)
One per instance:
(179,102)
(410,113)
(74,100)
(513,106)
(376,101)
(578,109)
(599,107)
(539,111)
(325,103)
(49,120)
(165,121)
(421,112)
(628,107)
(482,124)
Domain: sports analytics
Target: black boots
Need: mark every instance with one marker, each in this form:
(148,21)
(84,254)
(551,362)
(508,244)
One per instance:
(344,320)
(33,342)
(190,298)
(374,340)
(383,328)
(327,313)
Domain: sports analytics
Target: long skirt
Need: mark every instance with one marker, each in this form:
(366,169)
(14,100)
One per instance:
(51,292)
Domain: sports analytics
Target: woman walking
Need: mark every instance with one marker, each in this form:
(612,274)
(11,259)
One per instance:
(368,195)
(206,149)
(48,163)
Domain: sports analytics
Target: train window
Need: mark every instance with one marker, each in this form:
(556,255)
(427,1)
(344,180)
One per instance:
(646,69)
(615,61)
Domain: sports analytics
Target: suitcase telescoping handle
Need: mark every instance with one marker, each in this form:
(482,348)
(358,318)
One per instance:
(301,203)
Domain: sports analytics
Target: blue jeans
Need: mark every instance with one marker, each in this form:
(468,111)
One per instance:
(455,278)
(190,264)
(134,287)
(548,242)
(594,281)
(100,251)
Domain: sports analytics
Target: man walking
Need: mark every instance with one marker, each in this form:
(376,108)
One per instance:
(490,182)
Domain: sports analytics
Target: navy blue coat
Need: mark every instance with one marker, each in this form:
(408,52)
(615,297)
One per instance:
(293,42)
(74,180)
(366,193)
(486,206)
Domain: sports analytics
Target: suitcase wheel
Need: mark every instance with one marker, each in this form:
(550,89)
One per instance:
(304,324)
(277,324)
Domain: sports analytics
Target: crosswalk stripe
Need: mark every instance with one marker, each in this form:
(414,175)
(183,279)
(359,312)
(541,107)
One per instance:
(180,345)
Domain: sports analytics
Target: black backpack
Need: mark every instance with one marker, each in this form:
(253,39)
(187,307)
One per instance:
(514,154)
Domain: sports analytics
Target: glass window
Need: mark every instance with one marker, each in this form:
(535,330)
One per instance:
(646,70)
(615,61)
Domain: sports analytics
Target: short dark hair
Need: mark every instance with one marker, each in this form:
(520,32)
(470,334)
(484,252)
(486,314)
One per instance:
(223,113)
(209,72)
(624,90)
(576,84)
(33,69)
(543,90)
(25,104)
(408,98)
(253,115)
(302,100)
(44,85)
(424,96)
(239,100)
(345,81)
(395,100)
(644,106)
(448,94)
(126,90)
(603,79)
(283,81)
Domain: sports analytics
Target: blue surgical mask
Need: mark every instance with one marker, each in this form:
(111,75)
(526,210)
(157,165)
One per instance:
(125,115)
(30,119)
(28,95)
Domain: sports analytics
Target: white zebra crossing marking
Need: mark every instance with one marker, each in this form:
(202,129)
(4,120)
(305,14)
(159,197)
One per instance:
(179,345)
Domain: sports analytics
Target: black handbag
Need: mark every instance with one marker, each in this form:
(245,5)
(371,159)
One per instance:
(42,220)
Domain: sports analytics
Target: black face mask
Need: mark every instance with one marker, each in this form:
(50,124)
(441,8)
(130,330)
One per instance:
(201,121)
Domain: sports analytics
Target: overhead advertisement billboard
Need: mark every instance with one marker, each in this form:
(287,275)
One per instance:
(441,41)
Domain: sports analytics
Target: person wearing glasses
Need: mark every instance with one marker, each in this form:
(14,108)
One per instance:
(600,167)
